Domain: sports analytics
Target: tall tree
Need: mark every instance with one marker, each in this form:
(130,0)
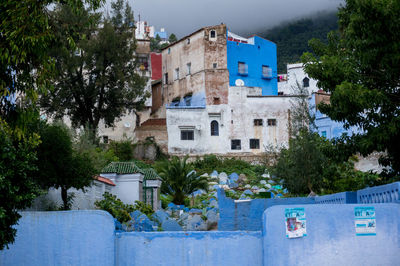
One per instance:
(25,66)
(60,165)
(301,165)
(172,38)
(360,67)
(97,75)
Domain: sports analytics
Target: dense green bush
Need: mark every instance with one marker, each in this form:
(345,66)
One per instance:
(122,149)
(119,210)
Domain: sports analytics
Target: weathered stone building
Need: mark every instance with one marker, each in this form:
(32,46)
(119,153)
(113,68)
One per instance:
(219,95)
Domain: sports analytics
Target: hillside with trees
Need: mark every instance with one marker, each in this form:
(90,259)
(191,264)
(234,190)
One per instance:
(292,37)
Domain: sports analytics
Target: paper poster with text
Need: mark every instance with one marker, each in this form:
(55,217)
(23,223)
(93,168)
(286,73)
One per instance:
(365,221)
(295,222)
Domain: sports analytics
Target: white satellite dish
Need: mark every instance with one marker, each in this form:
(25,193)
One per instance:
(239,82)
(127,125)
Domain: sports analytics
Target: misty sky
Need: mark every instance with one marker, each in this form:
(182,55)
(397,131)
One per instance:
(247,16)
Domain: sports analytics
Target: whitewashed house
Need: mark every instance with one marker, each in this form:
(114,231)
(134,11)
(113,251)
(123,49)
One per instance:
(133,184)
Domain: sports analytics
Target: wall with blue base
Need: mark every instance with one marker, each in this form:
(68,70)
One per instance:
(62,238)
(247,214)
(189,248)
(88,238)
(331,238)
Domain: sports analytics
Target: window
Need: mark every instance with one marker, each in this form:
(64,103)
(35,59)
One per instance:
(266,72)
(306,82)
(166,78)
(323,134)
(258,122)
(271,122)
(189,68)
(175,101)
(187,135)
(217,100)
(105,139)
(169,50)
(254,143)
(176,73)
(280,92)
(235,144)
(214,128)
(213,34)
(242,68)
(143,63)
(188,41)
(188,100)
(215,65)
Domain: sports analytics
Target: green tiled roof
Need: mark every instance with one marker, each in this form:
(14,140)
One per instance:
(150,174)
(122,168)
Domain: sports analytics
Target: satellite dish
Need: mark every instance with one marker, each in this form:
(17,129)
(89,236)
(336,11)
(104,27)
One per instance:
(127,125)
(239,82)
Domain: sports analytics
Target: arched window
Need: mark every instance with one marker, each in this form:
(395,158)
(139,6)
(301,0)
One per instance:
(306,82)
(214,128)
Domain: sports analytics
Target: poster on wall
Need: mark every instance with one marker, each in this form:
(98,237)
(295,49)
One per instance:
(295,222)
(365,222)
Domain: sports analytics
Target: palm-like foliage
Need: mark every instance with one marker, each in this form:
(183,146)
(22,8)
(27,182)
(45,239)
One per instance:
(179,179)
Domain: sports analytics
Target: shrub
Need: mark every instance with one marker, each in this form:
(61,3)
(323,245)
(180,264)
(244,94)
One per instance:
(119,210)
(122,149)
(115,207)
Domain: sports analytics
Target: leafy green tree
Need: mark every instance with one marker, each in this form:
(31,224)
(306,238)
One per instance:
(155,44)
(179,179)
(25,68)
(17,185)
(122,149)
(60,166)
(301,165)
(172,38)
(88,144)
(360,68)
(97,77)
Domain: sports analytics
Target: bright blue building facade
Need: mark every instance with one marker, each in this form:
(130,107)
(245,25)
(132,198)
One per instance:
(163,35)
(326,127)
(254,61)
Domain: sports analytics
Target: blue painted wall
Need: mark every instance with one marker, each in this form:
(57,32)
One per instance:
(62,238)
(197,100)
(380,194)
(189,248)
(331,238)
(88,238)
(247,215)
(327,127)
(337,198)
(262,52)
